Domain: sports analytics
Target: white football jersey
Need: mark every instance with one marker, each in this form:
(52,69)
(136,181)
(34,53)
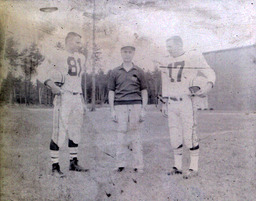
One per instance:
(179,72)
(70,65)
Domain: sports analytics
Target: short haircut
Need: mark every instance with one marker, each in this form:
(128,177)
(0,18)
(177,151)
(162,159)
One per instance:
(71,35)
(176,39)
(131,47)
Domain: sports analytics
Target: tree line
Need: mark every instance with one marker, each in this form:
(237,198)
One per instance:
(18,90)
(21,90)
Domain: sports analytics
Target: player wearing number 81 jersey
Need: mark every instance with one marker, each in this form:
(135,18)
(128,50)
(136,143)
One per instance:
(69,103)
(72,70)
(177,78)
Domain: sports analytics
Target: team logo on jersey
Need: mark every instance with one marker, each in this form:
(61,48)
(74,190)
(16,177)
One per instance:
(134,78)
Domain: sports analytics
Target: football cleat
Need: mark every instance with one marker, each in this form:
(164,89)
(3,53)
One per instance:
(75,167)
(190,173)
(174,171)
(56,171)
(120,169)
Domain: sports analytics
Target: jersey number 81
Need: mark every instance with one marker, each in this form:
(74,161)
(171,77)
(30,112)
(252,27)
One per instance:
(73,68)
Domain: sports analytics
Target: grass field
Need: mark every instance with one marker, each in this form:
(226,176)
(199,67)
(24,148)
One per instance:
(227,159)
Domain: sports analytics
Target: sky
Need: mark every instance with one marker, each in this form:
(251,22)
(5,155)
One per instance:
(204,25)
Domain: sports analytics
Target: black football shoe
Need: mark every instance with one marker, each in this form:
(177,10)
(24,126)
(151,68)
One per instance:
(190,174)
(75,167)
(120,169)
(56,171)
(174,171)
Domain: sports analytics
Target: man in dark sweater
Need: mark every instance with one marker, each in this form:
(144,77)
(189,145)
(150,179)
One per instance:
(128,97)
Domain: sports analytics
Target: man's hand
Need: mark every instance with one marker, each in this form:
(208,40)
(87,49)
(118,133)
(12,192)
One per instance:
(86,109)
(194,89)
(142,114)
(204,91)
(56,90)
(164,110)
(113,115)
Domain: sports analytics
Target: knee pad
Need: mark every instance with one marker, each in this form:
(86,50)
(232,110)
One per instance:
(194,148)
(54,146)
(71,143)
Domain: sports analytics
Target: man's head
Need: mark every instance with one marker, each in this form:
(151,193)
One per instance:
(127,53)
(73,42)
(174,46)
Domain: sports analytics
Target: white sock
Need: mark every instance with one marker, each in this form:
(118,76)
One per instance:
(54,156)
(73,152)
(194,157)
(178,158)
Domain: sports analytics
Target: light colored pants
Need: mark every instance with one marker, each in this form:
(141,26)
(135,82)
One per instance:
(128,117)
(200,102)
(182,122)
(67,118)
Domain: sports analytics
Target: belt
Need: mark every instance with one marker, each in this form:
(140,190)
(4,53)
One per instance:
(76,93)
(174,98)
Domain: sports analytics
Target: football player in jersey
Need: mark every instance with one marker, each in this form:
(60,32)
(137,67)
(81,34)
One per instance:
(177,77)
(65,80)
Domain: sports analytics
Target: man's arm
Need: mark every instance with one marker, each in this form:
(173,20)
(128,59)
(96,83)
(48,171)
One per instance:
(144,95)
(164,101)
(111,88)
(208,71)
(45,73)
(210,75)
(55,89)
(111,97)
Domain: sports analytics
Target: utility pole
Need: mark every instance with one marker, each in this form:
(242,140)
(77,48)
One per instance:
(94,57)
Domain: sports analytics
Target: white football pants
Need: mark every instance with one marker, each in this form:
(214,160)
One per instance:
(67,118)
(182,122)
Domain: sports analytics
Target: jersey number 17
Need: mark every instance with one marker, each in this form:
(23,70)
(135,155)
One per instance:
(177,65)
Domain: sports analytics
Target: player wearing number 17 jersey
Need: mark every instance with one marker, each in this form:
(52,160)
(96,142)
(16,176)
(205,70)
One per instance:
(64,77)
(178,75)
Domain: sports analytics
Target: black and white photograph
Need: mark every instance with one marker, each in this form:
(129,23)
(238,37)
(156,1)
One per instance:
(128,100)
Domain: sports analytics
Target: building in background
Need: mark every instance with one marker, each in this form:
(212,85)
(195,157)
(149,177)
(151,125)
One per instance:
(235,87)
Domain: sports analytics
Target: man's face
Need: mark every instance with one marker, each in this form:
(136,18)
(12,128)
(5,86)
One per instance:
(127,54)
(173,47)
(75,44)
